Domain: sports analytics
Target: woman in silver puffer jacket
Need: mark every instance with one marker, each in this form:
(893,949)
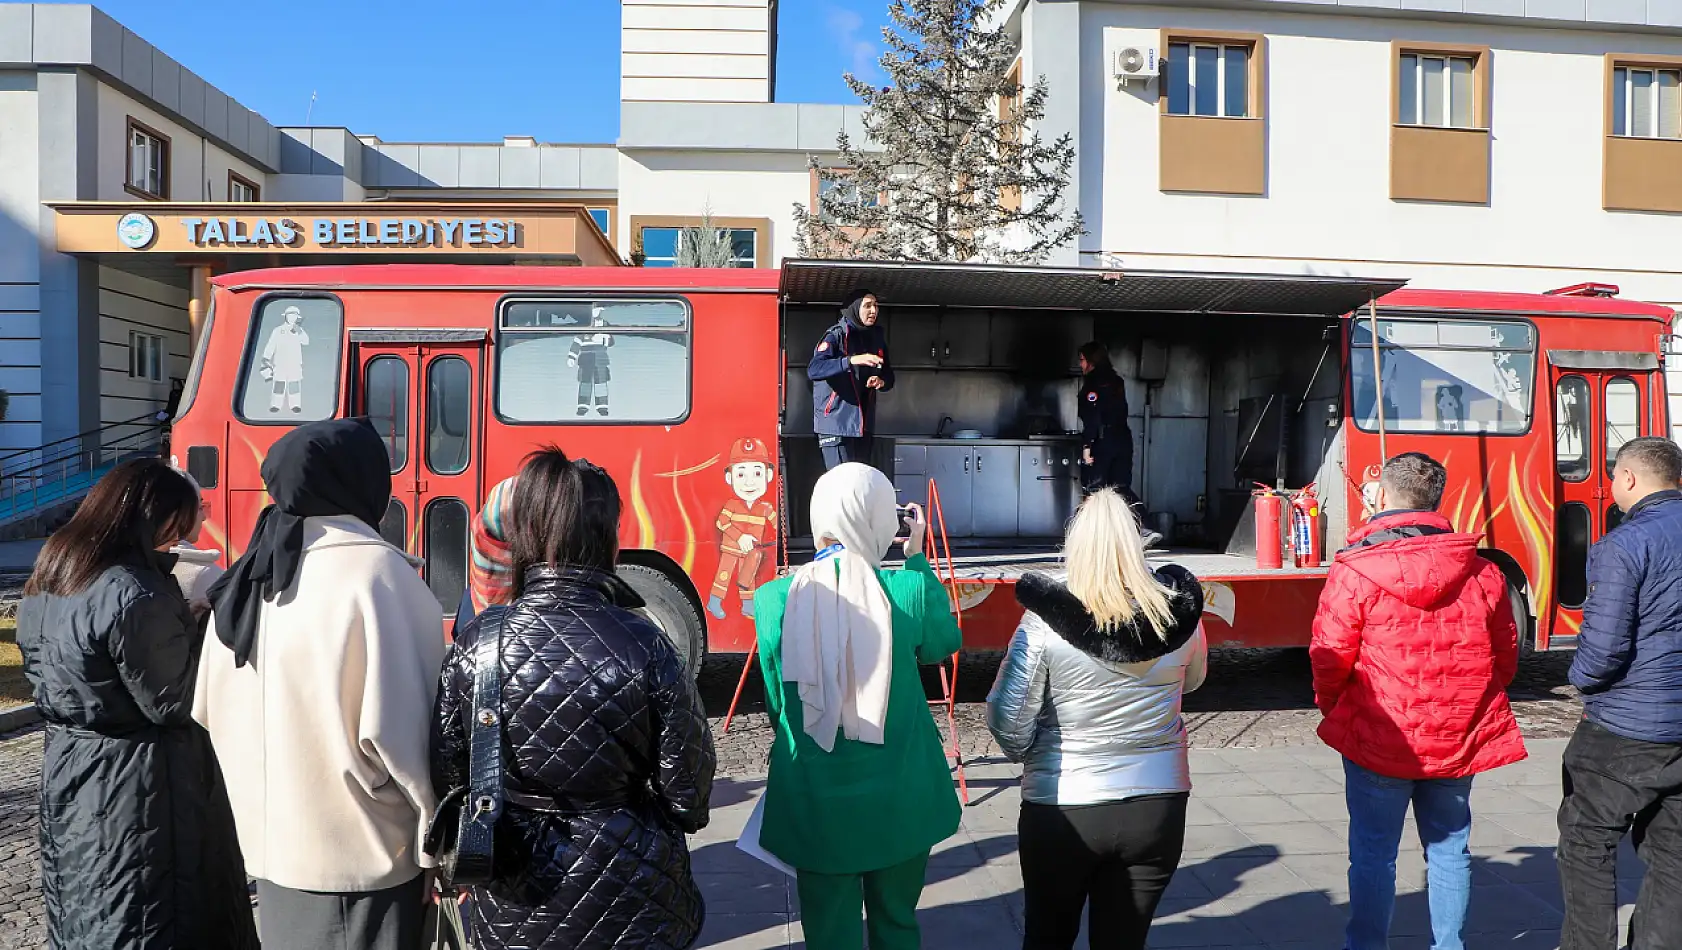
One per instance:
(1088,700)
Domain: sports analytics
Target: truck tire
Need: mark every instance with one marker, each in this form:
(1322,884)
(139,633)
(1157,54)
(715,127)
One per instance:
(672,611)
(1521,617)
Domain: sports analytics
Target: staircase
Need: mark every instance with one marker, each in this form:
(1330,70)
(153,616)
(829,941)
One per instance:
(40,486)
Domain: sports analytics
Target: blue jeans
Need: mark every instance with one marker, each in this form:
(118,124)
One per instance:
(1378,807)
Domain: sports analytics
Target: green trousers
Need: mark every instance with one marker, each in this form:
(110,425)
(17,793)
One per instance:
(833,906)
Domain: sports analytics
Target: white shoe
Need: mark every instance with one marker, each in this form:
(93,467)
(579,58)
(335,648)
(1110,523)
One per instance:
(1151,539)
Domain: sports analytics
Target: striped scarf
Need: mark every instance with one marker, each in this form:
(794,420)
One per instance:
(491,578)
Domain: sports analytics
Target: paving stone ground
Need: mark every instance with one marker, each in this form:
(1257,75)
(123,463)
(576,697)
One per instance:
(1264,860)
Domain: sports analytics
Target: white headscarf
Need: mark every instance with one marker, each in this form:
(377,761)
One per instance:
(838,625)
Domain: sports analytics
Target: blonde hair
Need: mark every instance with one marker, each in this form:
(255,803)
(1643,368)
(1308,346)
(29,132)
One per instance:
(1105,559)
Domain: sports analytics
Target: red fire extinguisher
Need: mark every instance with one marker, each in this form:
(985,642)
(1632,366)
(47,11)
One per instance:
(1305,528)
(1269,509)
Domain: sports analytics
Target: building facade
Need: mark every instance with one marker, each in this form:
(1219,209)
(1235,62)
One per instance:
(1479,144)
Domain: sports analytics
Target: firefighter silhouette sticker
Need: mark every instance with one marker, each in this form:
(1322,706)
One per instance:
(589,355)
(746,525)
(282,364)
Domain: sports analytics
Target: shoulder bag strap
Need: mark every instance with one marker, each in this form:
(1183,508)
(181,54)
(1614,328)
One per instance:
(484,759)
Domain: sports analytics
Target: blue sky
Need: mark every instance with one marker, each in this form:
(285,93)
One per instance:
(462,70)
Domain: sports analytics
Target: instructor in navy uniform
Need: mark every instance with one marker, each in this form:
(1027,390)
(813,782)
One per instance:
(848,368)
(1106,441)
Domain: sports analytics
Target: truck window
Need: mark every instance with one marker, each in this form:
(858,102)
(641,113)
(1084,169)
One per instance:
(291,372)
(592,361)
(1623,417)
(1571,424)
(1444,376)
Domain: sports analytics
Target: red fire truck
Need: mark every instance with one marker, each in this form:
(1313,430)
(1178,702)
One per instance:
(690,387)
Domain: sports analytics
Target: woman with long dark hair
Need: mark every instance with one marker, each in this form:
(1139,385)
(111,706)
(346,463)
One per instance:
(607,760)
(138,850)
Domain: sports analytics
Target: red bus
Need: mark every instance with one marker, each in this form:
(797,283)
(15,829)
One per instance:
(690,387)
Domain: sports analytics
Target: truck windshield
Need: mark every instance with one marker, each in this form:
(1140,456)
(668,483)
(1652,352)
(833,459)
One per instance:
(1444,376)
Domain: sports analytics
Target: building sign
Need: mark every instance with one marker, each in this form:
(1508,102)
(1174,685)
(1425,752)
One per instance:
(314,232)
(352,232)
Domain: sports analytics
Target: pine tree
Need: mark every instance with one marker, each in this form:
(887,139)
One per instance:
(704,245)
(961,175)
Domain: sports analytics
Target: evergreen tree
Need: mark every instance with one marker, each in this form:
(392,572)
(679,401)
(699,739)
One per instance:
(704,245)
(961,174)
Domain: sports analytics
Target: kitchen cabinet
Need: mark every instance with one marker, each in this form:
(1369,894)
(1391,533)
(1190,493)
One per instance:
(993,491)
(993,488)
(951,467)
(940,339)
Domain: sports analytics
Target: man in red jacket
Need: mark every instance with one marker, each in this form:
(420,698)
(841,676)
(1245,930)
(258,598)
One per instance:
(1414,645)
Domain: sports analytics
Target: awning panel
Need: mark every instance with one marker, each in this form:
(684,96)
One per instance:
(1051,288)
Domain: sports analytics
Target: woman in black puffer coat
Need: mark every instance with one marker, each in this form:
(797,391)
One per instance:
(607,758)
(138,850)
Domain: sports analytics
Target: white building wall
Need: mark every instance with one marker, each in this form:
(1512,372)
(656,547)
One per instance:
(198,169)
(729,184)
(1327,208)
(20,261)
(696,51)
(130,303)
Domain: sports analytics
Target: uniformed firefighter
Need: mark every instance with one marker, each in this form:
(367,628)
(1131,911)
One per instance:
(1106,441)
(595,371)
(747,525)
(849,367)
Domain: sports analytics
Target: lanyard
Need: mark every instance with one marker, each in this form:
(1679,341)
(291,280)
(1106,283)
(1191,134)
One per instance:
(826,552)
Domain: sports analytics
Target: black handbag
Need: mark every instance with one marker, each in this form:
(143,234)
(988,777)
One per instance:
(461,835)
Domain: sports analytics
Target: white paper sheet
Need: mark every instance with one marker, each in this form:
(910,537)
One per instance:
(749,841)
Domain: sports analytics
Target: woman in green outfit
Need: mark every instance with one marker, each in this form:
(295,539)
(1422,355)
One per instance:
(860,789)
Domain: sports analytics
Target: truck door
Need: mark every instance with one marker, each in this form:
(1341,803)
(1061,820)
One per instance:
(1602,399)
(423,390)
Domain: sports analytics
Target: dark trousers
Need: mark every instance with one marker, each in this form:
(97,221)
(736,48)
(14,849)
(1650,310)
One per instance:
(391,919)
(841,448)
(1615,786)
(1114,859)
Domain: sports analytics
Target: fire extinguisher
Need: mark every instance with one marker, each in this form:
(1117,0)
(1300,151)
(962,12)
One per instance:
(1305,528)
(1269,510)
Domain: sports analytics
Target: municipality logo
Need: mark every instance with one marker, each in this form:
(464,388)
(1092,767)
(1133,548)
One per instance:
(136,230)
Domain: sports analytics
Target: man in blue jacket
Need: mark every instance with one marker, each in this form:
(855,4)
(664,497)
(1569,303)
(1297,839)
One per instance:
(849,367)
(1623,767)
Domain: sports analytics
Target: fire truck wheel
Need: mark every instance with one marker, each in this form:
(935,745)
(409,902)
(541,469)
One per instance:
(670,610)
(1521,616)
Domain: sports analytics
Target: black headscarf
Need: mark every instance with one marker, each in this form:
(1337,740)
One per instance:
(850,310)
(321,469)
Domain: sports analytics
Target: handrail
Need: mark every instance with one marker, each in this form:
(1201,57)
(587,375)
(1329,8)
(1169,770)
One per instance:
(144,435)
(150,417)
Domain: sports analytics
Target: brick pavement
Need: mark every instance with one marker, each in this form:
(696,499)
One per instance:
(1257,704)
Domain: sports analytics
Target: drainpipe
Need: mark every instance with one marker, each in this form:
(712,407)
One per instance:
(198,306)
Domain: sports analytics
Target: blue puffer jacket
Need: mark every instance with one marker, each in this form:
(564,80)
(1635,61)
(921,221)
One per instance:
(1629,655)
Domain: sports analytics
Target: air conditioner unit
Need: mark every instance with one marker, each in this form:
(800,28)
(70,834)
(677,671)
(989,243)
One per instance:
(1136,62)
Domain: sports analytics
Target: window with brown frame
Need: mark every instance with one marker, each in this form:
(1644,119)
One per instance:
(1439,123)
(148,162)
(1213,127)
(657,238)
(1011,198)
(241,188)
(1643,156)
(847,191)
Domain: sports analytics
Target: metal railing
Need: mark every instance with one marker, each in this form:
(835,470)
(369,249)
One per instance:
(34,479)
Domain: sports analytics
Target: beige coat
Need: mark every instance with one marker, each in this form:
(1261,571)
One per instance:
(323,735)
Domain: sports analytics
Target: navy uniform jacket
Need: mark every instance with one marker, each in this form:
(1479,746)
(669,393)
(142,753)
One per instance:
(1629,652)
(841,403)
(1103,415)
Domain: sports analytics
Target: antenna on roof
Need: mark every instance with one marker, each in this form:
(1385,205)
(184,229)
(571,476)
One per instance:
(308,112)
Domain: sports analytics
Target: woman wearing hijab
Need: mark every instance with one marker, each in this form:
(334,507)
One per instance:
(848,368)
(316,689)
(490,573)
(137,841)
(607,761)
(1088,700)
(860,790)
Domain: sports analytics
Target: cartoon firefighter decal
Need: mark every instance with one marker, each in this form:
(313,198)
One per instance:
(589,355)
(746,525)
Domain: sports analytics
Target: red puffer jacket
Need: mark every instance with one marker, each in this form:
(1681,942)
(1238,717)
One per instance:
(1414,645)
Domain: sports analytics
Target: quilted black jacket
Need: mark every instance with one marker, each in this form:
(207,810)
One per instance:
(608,764)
